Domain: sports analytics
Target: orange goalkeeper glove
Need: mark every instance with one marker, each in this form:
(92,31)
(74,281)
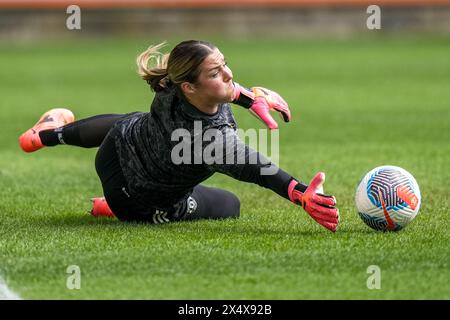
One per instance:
(319,206)
(260,101)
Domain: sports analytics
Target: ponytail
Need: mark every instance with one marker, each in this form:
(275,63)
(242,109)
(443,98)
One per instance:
(183,64)
(157,76)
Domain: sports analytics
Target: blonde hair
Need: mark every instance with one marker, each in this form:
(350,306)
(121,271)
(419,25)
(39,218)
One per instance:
(182,64)
(153,75)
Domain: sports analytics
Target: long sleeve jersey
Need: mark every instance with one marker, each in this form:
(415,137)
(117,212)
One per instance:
(162,151)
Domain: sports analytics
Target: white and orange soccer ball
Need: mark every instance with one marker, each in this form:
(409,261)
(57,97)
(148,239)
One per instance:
(388,198)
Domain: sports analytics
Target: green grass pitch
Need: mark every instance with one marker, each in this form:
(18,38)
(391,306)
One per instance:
(357,103)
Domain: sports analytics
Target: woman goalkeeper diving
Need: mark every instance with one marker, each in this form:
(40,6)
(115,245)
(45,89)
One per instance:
(140,179)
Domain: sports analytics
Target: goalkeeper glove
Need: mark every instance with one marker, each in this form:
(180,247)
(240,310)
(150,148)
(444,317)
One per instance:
(260,101)
(319,206)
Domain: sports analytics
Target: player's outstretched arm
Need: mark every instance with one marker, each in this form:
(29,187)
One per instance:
(260,101)
(263,172)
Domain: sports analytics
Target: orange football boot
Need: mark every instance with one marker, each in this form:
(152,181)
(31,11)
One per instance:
(100,208)
(52,119)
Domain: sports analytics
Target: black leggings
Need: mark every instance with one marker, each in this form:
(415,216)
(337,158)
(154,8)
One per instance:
(203,203)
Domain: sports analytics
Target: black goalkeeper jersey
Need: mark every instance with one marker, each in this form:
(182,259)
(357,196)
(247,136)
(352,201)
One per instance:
(145,145)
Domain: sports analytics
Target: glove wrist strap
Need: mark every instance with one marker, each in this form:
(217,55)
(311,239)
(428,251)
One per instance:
(243,96)
(291,188)
(295,186)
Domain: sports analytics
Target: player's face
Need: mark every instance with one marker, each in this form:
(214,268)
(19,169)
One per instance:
(215,80)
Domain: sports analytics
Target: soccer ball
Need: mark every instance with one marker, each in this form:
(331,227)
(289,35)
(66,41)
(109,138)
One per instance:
(388,198)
